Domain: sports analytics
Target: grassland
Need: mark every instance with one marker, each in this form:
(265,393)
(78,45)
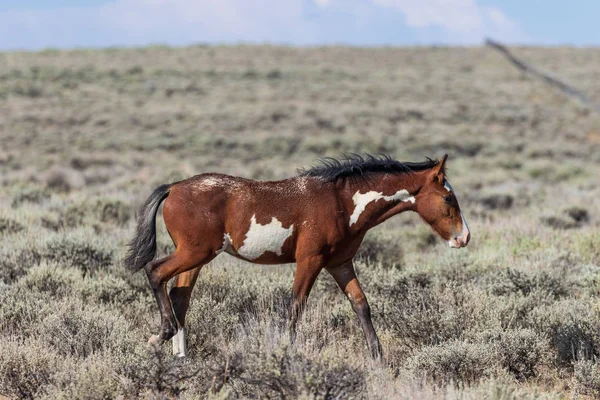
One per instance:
(86,135)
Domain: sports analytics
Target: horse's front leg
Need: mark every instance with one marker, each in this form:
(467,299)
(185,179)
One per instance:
(345,277)
(307,271)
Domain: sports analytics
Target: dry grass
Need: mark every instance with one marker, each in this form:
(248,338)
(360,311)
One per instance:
(86,135)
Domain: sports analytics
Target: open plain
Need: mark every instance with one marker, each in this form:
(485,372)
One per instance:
(86,135)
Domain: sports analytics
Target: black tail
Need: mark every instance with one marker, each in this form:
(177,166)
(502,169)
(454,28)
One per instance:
(142,247)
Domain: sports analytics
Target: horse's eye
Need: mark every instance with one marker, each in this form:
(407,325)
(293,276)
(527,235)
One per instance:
(448,198)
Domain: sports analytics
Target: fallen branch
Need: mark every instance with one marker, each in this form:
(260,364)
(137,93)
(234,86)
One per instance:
(564,87)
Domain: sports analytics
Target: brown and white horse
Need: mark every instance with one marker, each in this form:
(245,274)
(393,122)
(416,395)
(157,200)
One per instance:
(317,219)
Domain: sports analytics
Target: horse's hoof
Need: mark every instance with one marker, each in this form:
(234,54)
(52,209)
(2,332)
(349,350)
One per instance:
(154,340)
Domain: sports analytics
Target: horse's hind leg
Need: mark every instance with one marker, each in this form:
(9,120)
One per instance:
(160,272)
(180,295)
(346,279)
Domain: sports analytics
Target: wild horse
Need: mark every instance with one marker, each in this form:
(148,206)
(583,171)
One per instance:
(317,219)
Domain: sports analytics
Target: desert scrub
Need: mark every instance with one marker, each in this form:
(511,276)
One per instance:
(77,251)
(88,212)
(77,329)
(27,369)
(9,226)
(381,247)
(51,280)
(419,312)
(520,351)
(454,362)
(586,378)
(30,194)
(21,310)
(282,371)
(572,217)
(517,281)
(571,327)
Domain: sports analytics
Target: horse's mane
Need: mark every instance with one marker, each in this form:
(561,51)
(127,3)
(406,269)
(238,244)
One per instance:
(356,165)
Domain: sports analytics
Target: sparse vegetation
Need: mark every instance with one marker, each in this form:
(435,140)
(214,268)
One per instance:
(88,134)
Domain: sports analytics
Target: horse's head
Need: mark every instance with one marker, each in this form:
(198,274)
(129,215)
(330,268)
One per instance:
(436,203)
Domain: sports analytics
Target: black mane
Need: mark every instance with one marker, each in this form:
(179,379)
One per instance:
(356,165)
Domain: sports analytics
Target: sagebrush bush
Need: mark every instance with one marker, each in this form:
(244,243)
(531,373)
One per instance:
(77,252)
(21,309)
(455,362)
(383,248)
(27,369)
(15,262)
(80,330)
(30,194)
(571,327)
(9,226)
(520,351)
(513,280)
(283,372)
(586,377)
(92,378)
(105,210)
(52,280)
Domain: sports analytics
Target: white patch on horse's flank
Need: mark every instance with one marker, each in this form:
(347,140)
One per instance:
(227,243)
(361,200)
(179,344)
(263,238)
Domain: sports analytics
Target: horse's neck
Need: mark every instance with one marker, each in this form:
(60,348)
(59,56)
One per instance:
(390,194)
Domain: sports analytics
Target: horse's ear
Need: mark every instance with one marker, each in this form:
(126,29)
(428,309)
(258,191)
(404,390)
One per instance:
(438,173)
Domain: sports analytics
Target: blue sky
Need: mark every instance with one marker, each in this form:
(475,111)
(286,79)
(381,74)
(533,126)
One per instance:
(38,24)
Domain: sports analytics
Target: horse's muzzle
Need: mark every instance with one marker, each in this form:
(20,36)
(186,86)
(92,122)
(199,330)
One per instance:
(460,241)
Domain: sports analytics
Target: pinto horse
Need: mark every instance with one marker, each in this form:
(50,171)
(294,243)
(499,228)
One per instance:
(316,219)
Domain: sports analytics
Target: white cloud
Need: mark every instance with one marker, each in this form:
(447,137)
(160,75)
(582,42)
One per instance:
(180,22)
(463,20)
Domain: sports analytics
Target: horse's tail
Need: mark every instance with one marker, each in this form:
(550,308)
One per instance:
(142,247)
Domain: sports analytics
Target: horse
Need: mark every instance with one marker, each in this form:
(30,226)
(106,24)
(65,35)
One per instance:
(316,219)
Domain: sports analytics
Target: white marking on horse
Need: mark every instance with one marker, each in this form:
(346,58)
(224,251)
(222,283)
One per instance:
(227,243)
(361,200)
(465,227)
(447,186)
(263,238)
(179,345)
